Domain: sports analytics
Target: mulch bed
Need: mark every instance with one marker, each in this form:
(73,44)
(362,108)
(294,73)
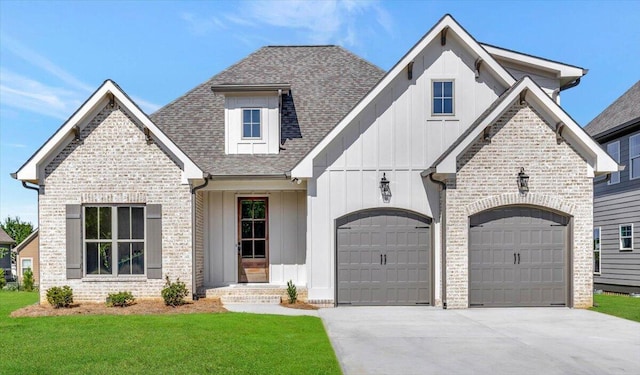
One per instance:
(298,305)
(141,307)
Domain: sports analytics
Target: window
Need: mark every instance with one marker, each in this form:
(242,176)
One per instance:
(634,156)
(442,97)
(626,237)
(251,123)
(26,263)
(114,235)
(613,149)
(596,250)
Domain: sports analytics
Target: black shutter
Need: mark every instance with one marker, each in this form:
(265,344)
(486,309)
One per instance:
(154,241)
(74,241)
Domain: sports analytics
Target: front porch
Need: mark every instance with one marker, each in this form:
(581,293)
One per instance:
(253,293)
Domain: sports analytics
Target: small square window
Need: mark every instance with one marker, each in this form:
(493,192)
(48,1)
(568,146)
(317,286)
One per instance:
(251,123)
(613,149)
(442,97)
(634,156)
(626,237)
(596,249)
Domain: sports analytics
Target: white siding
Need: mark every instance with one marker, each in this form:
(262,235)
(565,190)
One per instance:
(397,135)
(287,227)
(269,143)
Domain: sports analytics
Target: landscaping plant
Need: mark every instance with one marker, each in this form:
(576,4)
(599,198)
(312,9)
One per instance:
(120,299)
(27,280)
(60,297)
(292,291)
(174,293)
(3,282)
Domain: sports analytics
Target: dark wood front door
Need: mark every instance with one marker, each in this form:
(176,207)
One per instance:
(253,240)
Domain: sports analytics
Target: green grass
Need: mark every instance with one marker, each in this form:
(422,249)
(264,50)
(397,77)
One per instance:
(227,343)
(620,306)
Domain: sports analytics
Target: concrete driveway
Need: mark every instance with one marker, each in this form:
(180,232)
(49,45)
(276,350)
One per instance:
(427,340)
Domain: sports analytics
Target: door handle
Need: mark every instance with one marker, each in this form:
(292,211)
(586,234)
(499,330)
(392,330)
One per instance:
(380,258)
(518,258)
(514,258)
(385,258)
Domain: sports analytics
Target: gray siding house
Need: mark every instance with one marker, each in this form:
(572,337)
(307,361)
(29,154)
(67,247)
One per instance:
(616,209)
(6,247)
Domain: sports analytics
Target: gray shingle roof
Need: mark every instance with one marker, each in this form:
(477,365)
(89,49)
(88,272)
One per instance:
(625,110)
(5,238)
(326,82)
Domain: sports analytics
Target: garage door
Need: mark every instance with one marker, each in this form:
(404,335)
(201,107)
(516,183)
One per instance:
(518,257)
(383,258)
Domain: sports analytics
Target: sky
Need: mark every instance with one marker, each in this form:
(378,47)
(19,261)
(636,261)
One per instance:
(53,54)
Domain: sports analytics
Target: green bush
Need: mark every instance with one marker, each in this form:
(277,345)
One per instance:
(120,299)
(12,287)
(27,280)
(174,293)
(60,297)
(3,281)
(292,291)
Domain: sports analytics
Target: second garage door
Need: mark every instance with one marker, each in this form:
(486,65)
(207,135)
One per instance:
(518,257)
(383,258)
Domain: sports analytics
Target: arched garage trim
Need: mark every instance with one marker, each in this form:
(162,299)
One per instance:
(520,255)
(384,256)
(530,199)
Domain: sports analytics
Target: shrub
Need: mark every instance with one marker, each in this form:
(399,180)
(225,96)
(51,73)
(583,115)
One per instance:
(27,280)
(174,293)
(12,287)
(3,281)
(120,299)
(60,297)
(292,291)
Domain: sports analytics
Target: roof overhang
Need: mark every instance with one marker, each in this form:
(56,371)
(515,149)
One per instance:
(33,170)
(257,88)
(599,161)
(446,26)
(564,72)
(26,241)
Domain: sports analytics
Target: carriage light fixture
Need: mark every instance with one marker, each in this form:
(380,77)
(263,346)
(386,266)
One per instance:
(523,181)
(384,189)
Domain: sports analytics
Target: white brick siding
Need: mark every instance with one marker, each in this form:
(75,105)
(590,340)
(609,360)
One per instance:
(112,163)
(486,178)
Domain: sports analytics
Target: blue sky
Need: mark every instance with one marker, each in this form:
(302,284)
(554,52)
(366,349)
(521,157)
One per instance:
(54,54)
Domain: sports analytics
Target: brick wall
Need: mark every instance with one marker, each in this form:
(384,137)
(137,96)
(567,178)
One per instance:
(112,163)
(486,178)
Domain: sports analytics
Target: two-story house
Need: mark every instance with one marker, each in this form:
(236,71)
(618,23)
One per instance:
(616,208)
(454,179)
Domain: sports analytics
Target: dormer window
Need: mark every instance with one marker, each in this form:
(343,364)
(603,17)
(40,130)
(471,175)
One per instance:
(442,98)
(251,124)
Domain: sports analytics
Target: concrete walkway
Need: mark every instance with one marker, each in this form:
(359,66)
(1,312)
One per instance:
(427,340)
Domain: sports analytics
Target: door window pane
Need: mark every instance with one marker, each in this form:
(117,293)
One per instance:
(260,229)
(260,248)
(247,231)
(247,249)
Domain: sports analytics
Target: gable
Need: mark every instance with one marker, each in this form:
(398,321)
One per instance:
(109,94)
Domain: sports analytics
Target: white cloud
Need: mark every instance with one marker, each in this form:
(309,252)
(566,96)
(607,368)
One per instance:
(201,26)
(146,106)
(15,145)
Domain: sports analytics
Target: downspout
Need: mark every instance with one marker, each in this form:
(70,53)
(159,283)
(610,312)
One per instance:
(24,185)
(570,85)
(193,235)
(443,238)
(606,179)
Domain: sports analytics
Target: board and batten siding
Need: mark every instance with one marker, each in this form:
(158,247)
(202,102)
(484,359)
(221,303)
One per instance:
(618,267)
(395,134)
(286,228)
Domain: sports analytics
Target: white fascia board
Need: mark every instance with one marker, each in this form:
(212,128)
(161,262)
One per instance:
(29,171)
(560,70)
(576,136)
(304,168)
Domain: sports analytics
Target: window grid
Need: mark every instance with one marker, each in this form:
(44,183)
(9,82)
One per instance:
(613,149)
(251,123)
(626,237)
(634,157)
(597,245)
(443,103)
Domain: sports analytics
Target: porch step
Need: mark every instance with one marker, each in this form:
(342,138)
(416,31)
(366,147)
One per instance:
(250,299)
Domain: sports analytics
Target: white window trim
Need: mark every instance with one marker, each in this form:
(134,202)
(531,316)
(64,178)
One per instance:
(114,243)
(21,271)
(620,237)
(242,124)
(631,157)
(598,250)
(453,97)
(617,159)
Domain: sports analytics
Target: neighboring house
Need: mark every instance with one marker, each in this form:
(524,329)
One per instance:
(6,248)
(454,179)
(28,257)
(616,209)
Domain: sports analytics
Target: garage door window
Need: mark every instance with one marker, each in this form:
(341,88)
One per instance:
(596,250)
(626,237)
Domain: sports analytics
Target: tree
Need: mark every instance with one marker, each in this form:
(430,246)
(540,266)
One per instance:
(17,229)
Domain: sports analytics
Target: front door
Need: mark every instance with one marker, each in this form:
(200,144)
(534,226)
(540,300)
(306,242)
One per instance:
(253,240)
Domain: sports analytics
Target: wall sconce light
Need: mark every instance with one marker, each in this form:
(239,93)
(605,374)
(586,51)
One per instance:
(523,181)
(384,189)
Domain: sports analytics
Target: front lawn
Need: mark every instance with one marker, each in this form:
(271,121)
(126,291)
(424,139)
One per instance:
(226,343)
(621,306)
